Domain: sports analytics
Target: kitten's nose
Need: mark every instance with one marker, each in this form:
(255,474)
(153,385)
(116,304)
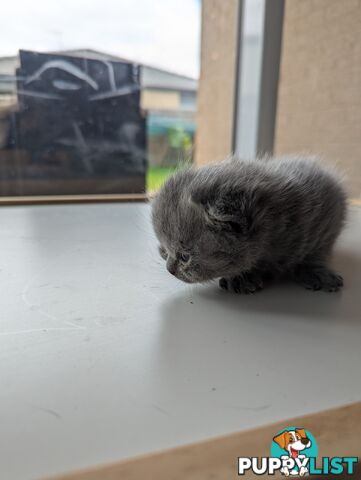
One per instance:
(171,266)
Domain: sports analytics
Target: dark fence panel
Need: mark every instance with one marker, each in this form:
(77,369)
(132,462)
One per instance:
(78,128)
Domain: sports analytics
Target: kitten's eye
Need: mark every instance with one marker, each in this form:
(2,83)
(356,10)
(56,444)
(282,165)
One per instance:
(162,252)
(184,257)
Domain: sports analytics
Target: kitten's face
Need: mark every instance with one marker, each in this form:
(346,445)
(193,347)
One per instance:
(201,259)
(194,249)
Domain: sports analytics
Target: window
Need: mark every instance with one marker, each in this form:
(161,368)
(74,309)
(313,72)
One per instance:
(96,97)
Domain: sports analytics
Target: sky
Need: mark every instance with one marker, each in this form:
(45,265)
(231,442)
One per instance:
(163,33)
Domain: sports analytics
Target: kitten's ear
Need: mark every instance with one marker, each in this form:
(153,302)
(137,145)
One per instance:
(224,211)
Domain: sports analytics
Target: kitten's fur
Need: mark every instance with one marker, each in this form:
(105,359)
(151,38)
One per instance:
(247,221)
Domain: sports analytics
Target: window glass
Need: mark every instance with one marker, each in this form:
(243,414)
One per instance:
(249,77)
(96,97)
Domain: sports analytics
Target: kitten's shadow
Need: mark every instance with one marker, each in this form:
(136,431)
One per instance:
(291,300)
(285,301)
(202,326)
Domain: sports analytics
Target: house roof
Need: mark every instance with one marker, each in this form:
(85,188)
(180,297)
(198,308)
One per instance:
(151,77)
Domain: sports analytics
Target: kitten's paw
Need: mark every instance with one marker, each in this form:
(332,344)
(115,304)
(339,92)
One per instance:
(318,278)
(244,283)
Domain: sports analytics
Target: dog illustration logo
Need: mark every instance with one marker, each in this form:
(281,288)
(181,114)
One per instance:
(296,444)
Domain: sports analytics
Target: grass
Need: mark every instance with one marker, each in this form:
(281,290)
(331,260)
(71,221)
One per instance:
(156,177)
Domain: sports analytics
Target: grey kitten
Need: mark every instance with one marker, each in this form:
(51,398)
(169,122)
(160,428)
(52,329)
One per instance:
(249,221)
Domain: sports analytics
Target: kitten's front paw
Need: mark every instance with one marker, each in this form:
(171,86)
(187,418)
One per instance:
(318,278)
(244,283)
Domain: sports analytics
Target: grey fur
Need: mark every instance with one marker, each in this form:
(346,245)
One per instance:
(248,221)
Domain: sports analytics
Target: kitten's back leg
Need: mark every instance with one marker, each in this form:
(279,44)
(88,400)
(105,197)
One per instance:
(316,276)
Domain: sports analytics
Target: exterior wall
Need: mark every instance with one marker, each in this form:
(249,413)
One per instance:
(319,102)
(216,95)
(8,65)
(160,100)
